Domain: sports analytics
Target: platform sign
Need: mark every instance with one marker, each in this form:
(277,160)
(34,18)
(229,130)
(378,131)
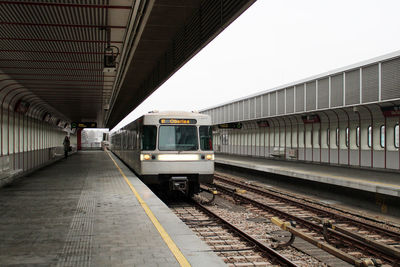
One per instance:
(83,125)
(47,117)
(232,125)
(22,106)
(263,123)
(314,118)
(392,111)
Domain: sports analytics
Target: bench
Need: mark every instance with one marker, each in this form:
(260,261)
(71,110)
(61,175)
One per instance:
(292,153)
(278,152)
(6,173)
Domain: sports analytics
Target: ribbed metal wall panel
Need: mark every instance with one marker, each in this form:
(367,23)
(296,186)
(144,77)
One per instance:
(265,105)
(290,100)
(370,84)
(272,101)
(236,111)
(221,114)
(323,93)
(241,110)
(252,102)
(258,106)
(281,102)
(337,90)
(246,109)
(299,97)
(232,111)
(352,87)
(225,111)
(311,96)
(391,79)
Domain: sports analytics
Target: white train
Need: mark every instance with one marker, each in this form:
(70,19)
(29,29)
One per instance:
(172,150)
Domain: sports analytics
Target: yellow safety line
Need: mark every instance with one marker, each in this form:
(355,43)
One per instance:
(165,236)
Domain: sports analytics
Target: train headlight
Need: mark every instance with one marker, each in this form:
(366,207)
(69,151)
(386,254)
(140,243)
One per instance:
(145,157)
(210,157)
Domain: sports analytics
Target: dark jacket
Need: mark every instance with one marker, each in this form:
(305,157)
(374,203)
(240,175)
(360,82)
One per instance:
(66,144)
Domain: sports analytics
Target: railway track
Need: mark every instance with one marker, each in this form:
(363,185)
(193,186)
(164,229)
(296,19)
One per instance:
(232,241)
(358,237)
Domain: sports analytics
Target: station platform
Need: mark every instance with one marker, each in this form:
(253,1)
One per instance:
(386,183)
(91,210)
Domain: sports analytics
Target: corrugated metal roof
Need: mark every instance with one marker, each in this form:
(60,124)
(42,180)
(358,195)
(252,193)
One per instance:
(55,50)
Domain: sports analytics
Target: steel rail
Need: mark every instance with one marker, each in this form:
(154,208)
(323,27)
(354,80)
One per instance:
(389,256)
(271,253)
(392,233)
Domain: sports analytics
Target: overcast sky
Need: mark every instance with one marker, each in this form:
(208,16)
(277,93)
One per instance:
(278,42)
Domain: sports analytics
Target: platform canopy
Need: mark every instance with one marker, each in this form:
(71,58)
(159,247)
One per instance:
(54,53)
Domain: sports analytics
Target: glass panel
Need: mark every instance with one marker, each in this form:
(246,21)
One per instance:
(396,136)
(382,135)
(149,136)
(205,137)
(328,137)
(177,137)
(347,136)
(358,136)
(337,136)
(369,136)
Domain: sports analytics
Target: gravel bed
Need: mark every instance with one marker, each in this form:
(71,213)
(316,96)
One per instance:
(259,228)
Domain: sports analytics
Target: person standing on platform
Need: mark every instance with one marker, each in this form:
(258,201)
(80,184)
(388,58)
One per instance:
(66,144)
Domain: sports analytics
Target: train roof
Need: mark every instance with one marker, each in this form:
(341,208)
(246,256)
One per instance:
(186,114)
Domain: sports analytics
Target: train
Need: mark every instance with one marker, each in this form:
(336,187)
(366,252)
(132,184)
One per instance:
(170,150)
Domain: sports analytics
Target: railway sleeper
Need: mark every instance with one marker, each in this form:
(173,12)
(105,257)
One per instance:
(287,226)
(380,245)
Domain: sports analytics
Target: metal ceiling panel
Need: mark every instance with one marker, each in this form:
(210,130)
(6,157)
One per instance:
(53,50)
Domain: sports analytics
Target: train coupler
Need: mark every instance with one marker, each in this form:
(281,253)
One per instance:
(179,183)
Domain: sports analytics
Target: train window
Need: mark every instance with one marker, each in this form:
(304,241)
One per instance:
(205,137)
(347,136)
(382,133)
(328,137)
(369,136)
(337,136)
(358,136)
(396,136)
(178,137)
(149,137)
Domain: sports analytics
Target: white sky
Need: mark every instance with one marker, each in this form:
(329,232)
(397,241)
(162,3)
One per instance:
(278,42)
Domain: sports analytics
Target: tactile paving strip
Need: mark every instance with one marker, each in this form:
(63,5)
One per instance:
(78,244)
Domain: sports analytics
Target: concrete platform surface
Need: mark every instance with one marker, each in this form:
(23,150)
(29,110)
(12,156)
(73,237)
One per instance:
(376,181)
(81,212)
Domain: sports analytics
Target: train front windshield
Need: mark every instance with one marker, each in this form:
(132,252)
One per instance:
(178,137)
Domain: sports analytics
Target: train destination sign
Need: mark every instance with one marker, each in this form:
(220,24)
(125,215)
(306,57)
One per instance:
(232,125)
(178,121)
(83,125)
